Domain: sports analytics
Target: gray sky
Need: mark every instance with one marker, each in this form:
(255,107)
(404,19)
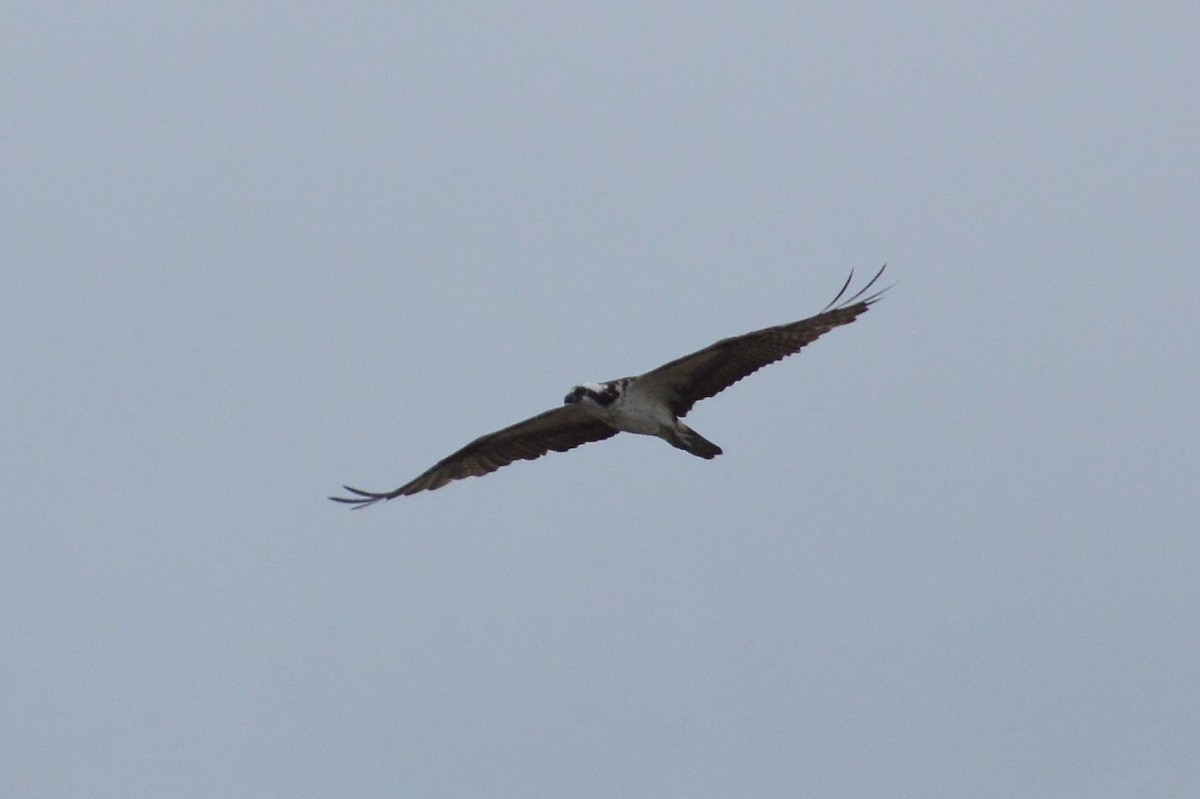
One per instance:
(253,251)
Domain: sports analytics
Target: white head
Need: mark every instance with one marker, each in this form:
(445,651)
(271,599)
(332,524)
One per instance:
(602,394)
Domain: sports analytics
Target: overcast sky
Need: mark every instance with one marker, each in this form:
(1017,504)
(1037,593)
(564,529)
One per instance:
(252,251)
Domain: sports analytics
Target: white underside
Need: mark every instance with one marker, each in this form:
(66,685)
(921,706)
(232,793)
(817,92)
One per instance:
(635,412)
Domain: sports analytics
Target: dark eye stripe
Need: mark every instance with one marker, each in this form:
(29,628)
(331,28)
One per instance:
(607,395)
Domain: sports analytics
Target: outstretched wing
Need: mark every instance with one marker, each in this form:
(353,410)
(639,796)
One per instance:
(556,430)
(703,374)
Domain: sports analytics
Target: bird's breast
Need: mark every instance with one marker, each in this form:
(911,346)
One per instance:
(637,411)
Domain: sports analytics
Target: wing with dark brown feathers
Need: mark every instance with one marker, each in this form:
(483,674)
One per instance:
(713,369)
(556,430)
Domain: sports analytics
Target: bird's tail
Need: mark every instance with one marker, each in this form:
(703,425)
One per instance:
(688,440)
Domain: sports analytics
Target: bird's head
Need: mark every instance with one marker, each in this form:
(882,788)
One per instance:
(578,393)
(592,394)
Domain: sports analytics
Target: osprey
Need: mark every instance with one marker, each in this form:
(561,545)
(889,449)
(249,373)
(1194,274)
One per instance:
(650,404)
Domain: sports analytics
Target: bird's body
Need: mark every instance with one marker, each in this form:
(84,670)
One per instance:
(638,405)
(647,404)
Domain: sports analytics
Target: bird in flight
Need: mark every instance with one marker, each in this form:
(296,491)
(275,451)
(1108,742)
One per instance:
(649,404)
